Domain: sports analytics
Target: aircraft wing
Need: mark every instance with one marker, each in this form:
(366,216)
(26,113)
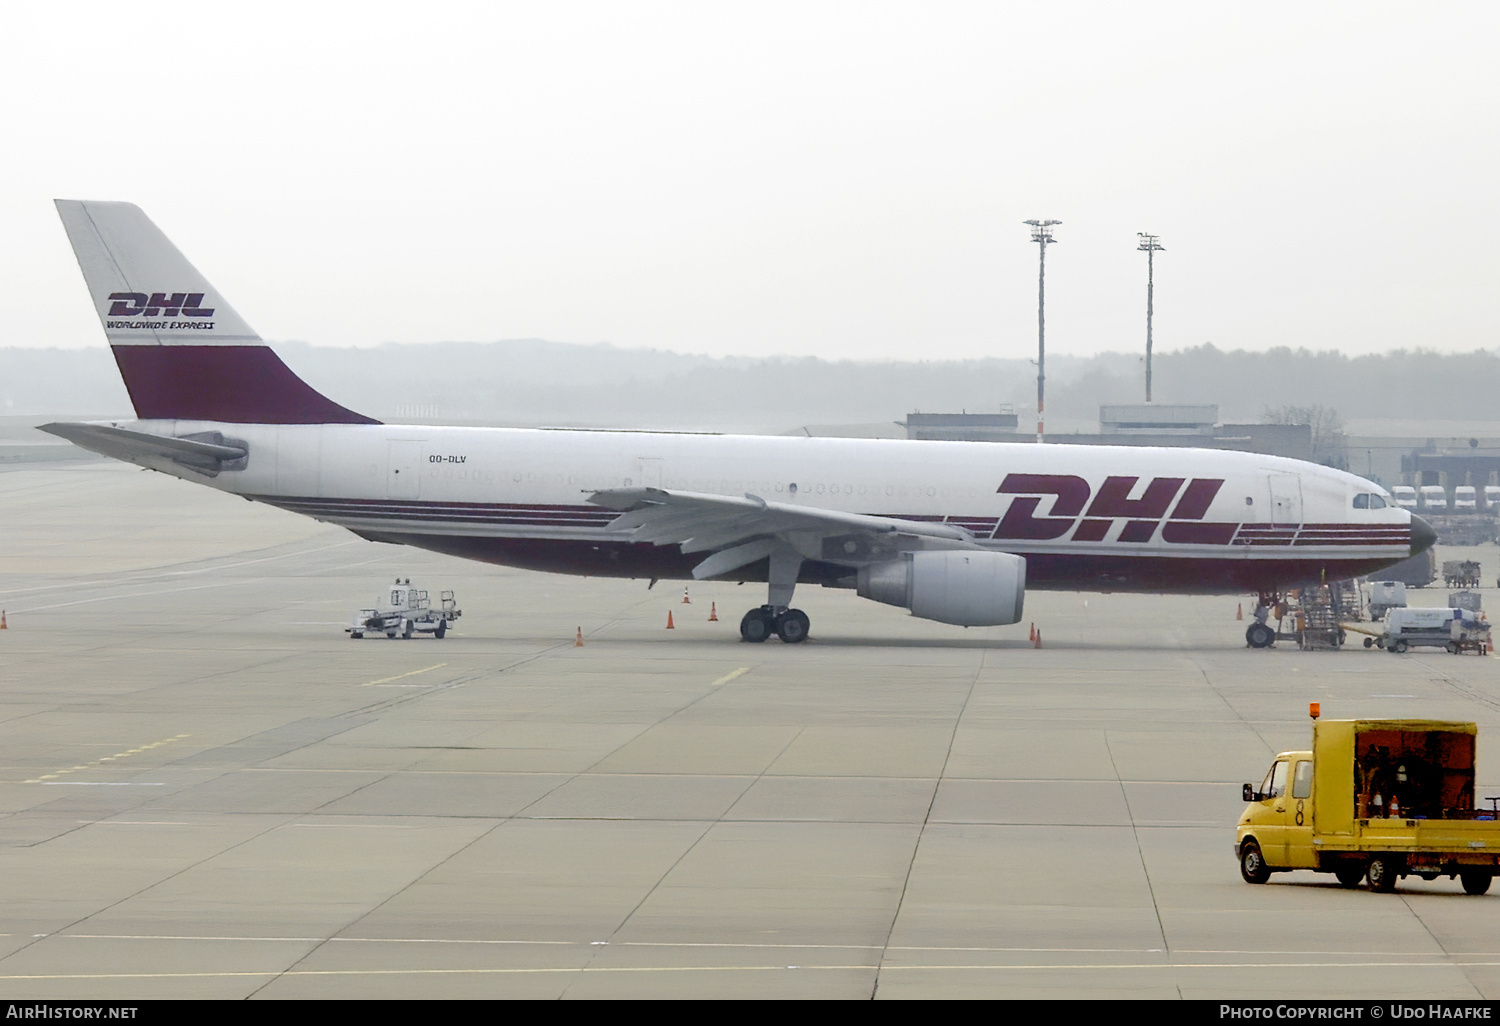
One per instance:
(205,454)
(741,530)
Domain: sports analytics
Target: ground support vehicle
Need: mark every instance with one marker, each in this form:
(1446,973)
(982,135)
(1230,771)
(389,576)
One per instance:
(1386,595)
(402,611)
(1375,800)
(1457,630)
(1461,573)
(1312,616)
(1469,600)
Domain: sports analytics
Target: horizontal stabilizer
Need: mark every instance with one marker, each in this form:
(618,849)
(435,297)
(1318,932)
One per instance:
(208,454)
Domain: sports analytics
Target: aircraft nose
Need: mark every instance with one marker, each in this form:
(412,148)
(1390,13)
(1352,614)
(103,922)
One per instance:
(1423,537)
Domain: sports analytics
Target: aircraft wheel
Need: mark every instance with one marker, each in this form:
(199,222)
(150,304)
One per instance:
(1382,874)
(1252,864)
(1349,874)
(1476,881)
(1258,635)
(792,626)
(756,626)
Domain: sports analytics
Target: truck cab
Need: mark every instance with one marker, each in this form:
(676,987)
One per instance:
(1405,496)
(1279,818)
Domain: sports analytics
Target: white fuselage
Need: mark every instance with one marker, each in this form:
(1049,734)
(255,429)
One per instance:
(1087,517)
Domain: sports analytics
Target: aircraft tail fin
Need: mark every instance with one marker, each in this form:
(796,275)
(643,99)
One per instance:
(184,352)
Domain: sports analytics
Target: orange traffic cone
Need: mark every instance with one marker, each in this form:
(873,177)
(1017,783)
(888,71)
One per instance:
(670,625)
(578,641)
(685,600)
(1036,641)
(3,627)
(1033,633)
(713,612)
(1239,611)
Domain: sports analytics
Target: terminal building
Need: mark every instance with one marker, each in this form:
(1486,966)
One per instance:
(1190,425)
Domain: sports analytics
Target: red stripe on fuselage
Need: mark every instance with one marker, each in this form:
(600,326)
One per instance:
(1044,571)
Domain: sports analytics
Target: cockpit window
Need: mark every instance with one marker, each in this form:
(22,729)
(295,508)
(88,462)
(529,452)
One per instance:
(1368,500)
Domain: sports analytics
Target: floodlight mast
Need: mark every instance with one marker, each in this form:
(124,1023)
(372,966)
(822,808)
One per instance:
(1041,234)
(1151,246)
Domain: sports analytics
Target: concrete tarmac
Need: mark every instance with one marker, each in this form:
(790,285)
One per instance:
(208,790)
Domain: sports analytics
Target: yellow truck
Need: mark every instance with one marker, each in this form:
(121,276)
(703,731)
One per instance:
(1374,800)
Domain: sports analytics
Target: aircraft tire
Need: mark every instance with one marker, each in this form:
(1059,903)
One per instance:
(792,626)
(1258,635)
(756,627)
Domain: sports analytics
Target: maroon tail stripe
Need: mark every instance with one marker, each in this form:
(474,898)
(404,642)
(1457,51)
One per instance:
(233,384)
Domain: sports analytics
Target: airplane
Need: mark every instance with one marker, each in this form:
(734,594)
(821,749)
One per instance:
(954,532)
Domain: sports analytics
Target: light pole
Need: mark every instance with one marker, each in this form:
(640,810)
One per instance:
(1151,246)
(1041,234)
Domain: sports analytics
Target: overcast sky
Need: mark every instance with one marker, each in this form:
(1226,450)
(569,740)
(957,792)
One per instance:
(842,180)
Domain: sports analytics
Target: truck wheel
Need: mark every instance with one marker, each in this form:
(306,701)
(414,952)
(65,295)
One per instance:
(1476,881)
(1252,866)
(1453,648)
(356,635)
(1369,643)
(406,631)
(442,628)
(1350,874)
(1398,647)
(1382,874)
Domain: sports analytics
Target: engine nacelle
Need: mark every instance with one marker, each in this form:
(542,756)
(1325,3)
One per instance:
(960,586)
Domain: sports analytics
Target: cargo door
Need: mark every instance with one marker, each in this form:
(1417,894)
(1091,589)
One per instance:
(1286,500)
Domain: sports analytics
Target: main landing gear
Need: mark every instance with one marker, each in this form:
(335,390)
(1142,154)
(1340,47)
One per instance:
(790,625)
(776,616)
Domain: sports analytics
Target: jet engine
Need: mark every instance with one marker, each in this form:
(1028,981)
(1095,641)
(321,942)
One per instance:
(960,586)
